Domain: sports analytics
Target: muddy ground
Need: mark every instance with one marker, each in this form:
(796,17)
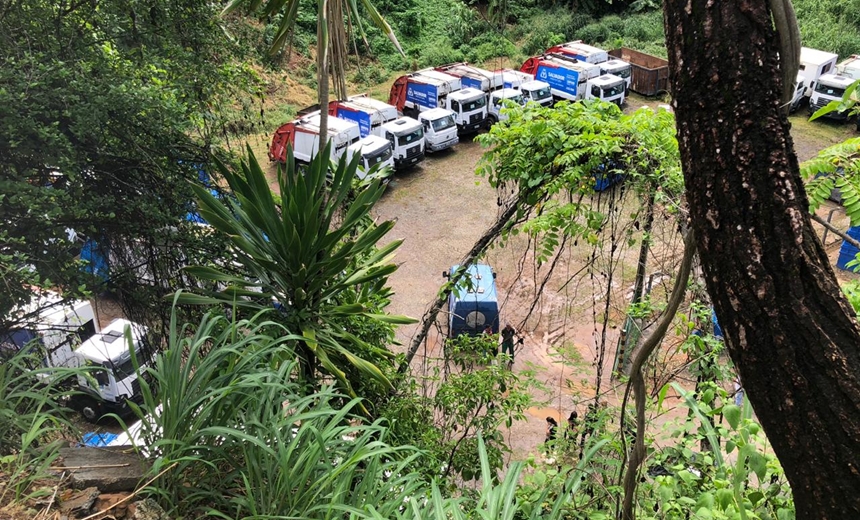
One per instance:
(441,207)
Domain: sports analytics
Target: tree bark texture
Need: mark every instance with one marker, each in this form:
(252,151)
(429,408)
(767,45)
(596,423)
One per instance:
(789,330)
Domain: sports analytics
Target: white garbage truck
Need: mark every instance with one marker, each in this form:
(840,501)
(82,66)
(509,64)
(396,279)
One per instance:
(428,89)
(574,80)
(591,54)
(378,118)
(302,135)
(67,335)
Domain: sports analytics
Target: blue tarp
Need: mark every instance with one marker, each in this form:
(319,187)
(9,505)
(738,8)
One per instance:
(98,439)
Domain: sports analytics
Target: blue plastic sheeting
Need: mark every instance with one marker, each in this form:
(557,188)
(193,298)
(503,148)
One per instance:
(96,260)
(847,252)
(718,331)
(474,303)
(98,439)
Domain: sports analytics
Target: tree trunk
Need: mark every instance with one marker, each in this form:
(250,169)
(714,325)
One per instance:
(789,330)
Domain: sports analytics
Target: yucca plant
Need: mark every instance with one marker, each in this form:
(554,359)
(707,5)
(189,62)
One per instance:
(243,440)
(307,256)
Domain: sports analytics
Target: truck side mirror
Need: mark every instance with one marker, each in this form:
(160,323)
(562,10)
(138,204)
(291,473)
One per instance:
(494,275)
(445,274)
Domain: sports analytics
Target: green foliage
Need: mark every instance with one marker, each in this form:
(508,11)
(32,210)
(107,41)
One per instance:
(103,111)
(243,439)
(543,152)
(851,289)
(831,25)
(837,166)
(314,254)
(31,420)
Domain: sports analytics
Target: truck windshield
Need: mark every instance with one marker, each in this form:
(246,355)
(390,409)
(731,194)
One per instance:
(443,123)
(829,91)
(411,137)
(541,93)
(121,371)
(468,106)
(623,73)
(614,90)
(377,157)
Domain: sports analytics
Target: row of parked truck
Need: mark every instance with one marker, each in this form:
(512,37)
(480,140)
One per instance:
(428,110)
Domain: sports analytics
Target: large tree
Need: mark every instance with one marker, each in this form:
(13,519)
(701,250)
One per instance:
(789,330)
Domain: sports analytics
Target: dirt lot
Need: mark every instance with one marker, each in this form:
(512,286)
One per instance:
(442,207)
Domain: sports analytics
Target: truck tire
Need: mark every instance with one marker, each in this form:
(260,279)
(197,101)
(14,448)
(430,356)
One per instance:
(90,409)
(491,120)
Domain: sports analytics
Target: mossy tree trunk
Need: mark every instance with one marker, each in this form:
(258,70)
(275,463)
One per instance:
(789,330)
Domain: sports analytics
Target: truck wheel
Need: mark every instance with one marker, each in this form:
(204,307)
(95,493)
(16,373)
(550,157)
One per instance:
(89,408)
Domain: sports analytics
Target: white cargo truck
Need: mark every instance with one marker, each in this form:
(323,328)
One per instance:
(813,65)
(428,89)
(440,129)
(67,335)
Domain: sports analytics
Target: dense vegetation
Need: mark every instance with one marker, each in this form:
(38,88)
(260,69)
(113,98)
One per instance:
(107,116)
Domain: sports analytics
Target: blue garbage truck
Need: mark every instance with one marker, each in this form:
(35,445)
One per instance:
(473,304)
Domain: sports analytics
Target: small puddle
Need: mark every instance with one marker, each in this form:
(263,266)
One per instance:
(543,413)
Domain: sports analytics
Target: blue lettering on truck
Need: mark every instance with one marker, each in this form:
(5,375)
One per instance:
(470,82)
(362,119)
(559,78)
(421,94)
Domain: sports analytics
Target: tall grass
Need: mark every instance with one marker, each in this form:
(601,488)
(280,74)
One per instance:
(247,443)
(32,420)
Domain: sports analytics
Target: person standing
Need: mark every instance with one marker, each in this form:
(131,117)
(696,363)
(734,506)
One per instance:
(551,427)
(508,340)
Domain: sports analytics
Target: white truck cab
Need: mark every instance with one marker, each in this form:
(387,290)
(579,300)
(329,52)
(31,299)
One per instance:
(619,68)
(470,108)
(607,88)
(532,89)
(374,151)
(497,99)
(829,87)
(799,93)
(440,129)
(406,135)
(115,382)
